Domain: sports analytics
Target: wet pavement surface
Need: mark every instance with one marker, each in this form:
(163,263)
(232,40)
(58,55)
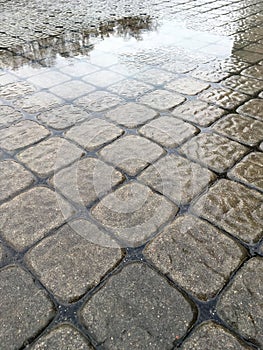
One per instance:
(131,203)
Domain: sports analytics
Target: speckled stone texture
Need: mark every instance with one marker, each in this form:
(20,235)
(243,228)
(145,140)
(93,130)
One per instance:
(133,213)
(241,303)
(202,271)
(221,206)
(61,336)
(131,153)
(25,308)
(69,264)
(31,215)
(155,316)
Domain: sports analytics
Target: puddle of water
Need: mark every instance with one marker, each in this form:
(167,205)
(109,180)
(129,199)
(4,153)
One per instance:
(136,41)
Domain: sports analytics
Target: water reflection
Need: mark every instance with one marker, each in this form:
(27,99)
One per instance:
(134,40)
(73,43)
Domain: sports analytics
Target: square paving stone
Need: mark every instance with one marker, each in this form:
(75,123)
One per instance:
(137,309)
(252,108)
(240,305)
(179,67)
(210,73)
(48,79)
(188,86)
(168,131)
(224,98)
(22,134)
(63,117)
(94,133)
(60,337)
(69,263)
(255,71)
(13,179)
(242,84)
(197,256)
(131,114)
(155,76)
(99,101)
(16,90)
(130,88)
(161,99)
(8,115)
(86,180)
(177,178)
(103,78)
(198,112)
(72,89)
(131,153)
(31,215)
(249,170)
(38,102)
(212,336)
(255,47)
(79,68)
(133,213)
(6,78)
(234,208)
(232,64)
(25,309)
(240,128)
(50,155)
(213,151)
(248,56)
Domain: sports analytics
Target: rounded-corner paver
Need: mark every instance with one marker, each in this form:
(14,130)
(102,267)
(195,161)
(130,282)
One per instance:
(240,305)
(242,84)
(72,89)
(234,208)
(210,335)
(59,337)
(224,98)
(94,133)
(32,214)
(198,112)
(253,108)
(63,117)
(131,114)
(249,171)
(177,178)
(86,180)
(69,263)
(161,99)
(130,88)
(137,309)
(50,155)
(213,151)
(38,102)
(22,134)
(98,101)
(131,153)
(196,255)
(16,90)
(25,309)
(13,179)
(187,86)
(133,213)
(9,115)
(168,131)
(240,128)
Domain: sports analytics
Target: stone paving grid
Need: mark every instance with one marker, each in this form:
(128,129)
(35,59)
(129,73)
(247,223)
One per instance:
(75,103)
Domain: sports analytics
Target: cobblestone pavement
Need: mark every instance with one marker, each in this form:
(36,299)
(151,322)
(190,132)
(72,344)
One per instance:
(131,178)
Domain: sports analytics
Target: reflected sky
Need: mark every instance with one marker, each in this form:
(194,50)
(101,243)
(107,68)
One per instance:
(130,41)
